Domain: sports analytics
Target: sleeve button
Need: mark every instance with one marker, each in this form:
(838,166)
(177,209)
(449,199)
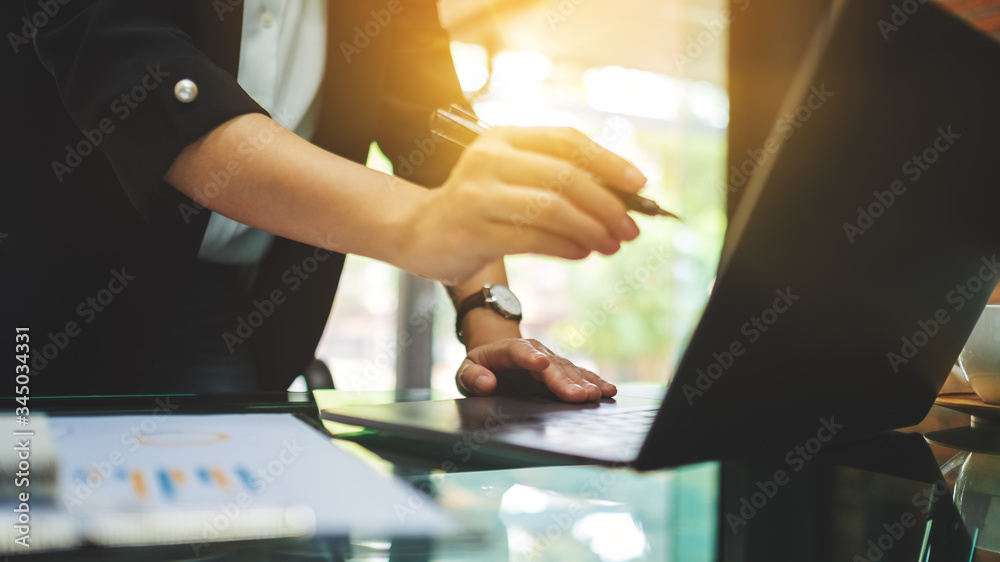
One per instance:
(185,91)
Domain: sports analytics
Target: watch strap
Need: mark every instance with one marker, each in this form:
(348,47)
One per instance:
(480,298)
(475,300)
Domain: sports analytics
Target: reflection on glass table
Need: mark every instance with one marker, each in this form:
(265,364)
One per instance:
(882,498)
(975,474)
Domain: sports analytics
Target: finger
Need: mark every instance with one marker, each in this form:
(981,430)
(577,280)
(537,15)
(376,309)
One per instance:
(563,377)
(607,389)
(502,235)
(570,144)
(519,238)
(566,382)
(526,209)
(568,389)
(548,212)
(475,380)
(561,178)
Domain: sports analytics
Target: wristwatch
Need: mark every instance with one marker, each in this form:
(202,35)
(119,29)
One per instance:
(497,297)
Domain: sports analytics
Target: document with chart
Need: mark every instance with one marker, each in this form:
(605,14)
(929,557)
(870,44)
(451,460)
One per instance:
(169,478)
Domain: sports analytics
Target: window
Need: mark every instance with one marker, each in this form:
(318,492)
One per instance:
(645,79)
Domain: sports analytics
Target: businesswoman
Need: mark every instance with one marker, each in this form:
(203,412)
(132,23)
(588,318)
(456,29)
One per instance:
(187,177)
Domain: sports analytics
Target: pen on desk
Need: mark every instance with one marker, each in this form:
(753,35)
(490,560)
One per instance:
(461,127)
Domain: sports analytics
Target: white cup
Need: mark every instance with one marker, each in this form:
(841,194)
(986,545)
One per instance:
(979,362)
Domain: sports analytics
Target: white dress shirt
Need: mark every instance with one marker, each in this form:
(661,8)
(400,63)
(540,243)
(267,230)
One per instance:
(282,53)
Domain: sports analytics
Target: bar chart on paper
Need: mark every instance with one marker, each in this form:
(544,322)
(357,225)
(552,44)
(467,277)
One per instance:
(145,462)
(129,464)
(171,483)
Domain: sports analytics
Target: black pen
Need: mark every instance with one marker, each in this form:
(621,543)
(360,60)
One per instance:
(461,127)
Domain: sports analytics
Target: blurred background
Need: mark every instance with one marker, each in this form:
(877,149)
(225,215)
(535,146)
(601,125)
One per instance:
(646,79)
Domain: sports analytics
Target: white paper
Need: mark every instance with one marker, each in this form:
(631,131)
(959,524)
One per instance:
(218,468)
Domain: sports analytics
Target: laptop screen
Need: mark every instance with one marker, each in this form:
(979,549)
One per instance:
(864,249)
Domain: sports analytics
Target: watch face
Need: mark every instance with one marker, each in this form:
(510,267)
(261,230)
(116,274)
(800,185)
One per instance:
(505,299)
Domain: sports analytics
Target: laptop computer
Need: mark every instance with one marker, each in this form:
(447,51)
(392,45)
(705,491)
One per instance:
(853,271)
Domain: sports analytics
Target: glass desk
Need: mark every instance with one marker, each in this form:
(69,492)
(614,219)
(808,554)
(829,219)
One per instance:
(890,497)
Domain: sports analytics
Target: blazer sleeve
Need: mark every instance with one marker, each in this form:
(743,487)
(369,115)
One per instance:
(420,78)
(116,64)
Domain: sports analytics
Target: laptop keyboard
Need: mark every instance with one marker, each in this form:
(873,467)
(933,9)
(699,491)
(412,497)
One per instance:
(614,423)
(622,430)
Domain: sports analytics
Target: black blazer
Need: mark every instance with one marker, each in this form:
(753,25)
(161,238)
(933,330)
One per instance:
(84,208)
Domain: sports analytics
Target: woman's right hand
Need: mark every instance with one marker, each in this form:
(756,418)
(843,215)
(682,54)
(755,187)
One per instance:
(519,190)
(514,191)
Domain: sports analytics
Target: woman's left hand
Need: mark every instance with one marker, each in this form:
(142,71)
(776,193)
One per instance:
(523,366)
